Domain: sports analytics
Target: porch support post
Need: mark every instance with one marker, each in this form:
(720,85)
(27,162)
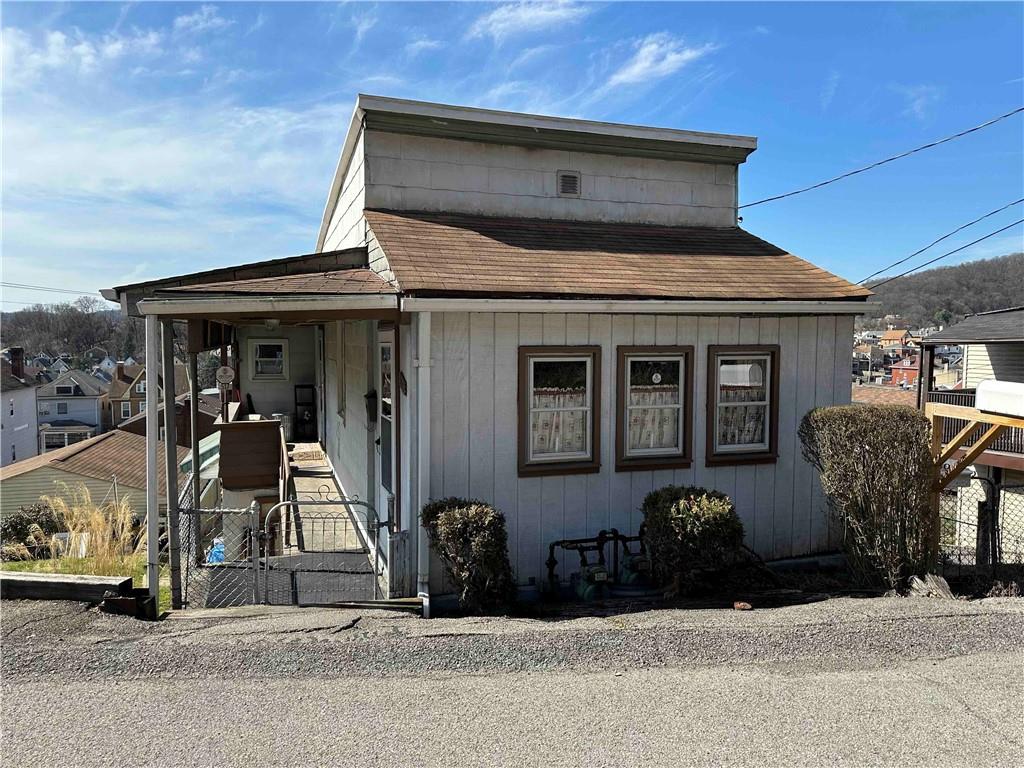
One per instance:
(193,421)
(152,466)
(423,456)
(171,462)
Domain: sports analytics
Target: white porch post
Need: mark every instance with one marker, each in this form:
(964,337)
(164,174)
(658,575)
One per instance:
(152,460)
(423,456)
(171,461)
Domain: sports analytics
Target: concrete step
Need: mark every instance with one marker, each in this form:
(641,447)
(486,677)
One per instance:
(20,585)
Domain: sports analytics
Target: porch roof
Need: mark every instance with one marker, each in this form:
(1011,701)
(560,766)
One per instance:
(338,282)
(441,254)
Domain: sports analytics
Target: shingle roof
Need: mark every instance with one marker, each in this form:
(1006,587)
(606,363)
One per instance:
(999,325)
(118,453)
(436,253)
(87,385)
(339,281)
(873,394)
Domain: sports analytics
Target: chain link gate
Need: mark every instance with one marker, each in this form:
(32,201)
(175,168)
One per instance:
(217,548)
(982,532)
(319,552)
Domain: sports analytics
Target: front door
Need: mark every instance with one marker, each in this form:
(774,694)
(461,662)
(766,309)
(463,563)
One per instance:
(385,441)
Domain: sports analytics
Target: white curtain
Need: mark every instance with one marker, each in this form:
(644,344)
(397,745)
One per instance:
(653,425)
(559,431)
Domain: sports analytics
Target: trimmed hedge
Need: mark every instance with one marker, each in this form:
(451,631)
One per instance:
(875,464)
(689,529)
(471,540)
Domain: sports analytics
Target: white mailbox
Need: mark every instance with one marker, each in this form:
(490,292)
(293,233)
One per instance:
(1005,397)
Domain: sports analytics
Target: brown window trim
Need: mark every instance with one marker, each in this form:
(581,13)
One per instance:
(769,456)
(673,461)
(539,469)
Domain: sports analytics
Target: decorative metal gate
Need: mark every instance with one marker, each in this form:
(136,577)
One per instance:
(319,552)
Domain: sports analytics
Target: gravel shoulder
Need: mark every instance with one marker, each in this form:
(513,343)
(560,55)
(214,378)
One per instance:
(74,642)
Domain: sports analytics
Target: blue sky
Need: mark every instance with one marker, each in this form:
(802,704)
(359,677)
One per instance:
(147,139)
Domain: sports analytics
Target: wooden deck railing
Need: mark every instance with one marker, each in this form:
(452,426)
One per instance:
(1010,441)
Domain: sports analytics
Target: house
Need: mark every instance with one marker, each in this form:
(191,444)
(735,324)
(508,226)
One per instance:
(208,413)
(111,466)
(553,315)
(903,373)
(126,392)
(993,349)
(895,340)
(107,365)
(70,408)
(18,426)
(58,366)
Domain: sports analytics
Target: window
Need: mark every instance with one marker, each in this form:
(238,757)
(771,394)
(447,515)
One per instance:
(654,408)
(269,359)
(140,388)
(743,399)
(558,403)
(62,409)
(126,409)
(65,389)
(52,440)
(142,407)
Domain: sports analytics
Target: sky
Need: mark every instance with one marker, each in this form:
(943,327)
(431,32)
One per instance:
(149,139)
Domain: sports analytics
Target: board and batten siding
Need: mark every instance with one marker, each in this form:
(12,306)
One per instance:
(1004,362)
(474,428)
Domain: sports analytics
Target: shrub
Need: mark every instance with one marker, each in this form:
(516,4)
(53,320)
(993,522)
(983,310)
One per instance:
(689,529)
(472,542)
(28,530)
(875,466)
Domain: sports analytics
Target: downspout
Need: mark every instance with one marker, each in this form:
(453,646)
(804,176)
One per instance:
(423,456)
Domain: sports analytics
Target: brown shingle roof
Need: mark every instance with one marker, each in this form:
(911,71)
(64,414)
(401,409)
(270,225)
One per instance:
(113,453)
(436,253)
(871,394)
(338,281)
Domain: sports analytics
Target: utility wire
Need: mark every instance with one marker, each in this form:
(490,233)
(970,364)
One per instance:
(944,237)
(950,253)
(48,288)
(846,175)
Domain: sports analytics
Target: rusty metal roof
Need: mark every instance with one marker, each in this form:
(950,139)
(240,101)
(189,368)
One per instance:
(458,254)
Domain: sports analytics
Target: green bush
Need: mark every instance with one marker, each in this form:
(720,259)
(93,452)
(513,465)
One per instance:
(27,530)
(471,539)
(689,529)
(875,466)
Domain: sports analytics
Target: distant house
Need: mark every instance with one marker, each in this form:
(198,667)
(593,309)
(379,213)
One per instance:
(111,465)
(126,393)
(894,339)
(207,416)
(58,366)
(903,373)
(18,425)
(70,408)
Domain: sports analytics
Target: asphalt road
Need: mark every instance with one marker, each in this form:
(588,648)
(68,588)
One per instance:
(845,682)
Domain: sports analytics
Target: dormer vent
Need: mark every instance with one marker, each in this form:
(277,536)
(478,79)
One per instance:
(568,183)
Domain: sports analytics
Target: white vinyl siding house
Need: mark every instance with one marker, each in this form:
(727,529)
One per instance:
(471,330)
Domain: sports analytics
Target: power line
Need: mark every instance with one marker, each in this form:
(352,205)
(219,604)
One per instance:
(848,174)
(48,288)
(944,237)
(950,253)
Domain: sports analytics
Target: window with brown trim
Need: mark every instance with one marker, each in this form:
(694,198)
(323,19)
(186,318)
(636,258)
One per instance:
(654,408)
(743,404)
(559,406)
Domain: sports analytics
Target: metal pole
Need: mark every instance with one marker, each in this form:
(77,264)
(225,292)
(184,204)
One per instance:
(171,462)
(423,456)
(152,434)
(193,407)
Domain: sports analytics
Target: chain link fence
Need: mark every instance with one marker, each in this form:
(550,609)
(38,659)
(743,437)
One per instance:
(217,565)
(981,534)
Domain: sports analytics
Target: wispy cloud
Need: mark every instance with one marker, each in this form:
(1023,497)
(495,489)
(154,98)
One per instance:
(363,23)
(206,19)
(518,18)
(422,45)
(657,56)
(828,90)
(529,55)
(762,30)
(918,98)
(257,24)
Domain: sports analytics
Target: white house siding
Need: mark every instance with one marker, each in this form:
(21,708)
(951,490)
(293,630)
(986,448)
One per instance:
(1004,362)
(474,428)
(349,438)
(84,409)
(26,489)
(20,429)
(406,172)
(346,226)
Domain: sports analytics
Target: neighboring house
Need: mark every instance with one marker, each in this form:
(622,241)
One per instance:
(72,407)
(555,316)
(127,390)
(903,373)
(896,342)
(108,365)
(111,465)
(207,415)
(18,426)
(58,366)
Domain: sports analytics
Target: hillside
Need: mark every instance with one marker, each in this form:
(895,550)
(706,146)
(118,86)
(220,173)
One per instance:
(944,295)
